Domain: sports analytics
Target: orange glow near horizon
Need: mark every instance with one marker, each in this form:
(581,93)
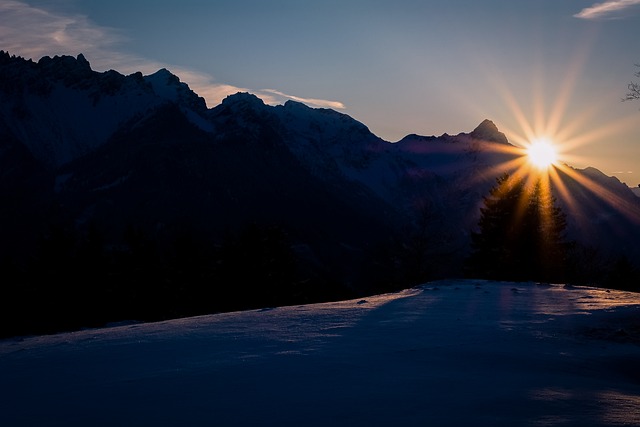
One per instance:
(543,162)
(541,152)
(538,107)
(547,135)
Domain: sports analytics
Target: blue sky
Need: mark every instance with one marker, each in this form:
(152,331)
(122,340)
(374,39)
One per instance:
(555,68)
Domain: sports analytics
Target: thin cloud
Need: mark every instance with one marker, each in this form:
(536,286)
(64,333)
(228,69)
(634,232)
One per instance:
(606,9)
(205,86)
(322,103)
(33,32)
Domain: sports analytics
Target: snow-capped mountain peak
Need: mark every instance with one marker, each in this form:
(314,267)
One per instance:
(61,109)
(165,84)
(242,101)
(168,86)
(125,150)
(115,161)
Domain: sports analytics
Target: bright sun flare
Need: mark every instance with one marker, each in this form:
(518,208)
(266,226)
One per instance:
(542,154)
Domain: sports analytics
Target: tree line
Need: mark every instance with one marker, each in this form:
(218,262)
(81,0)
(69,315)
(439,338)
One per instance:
(521,236)
(76,279)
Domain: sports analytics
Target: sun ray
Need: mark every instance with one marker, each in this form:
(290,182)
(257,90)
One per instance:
(538,103)
(629,210)
(556,117)
(562,189)
(554,109)
(595,135)
(516,110)
(553,179)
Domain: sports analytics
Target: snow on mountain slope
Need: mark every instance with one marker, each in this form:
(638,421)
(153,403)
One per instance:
(448,353)
(333,144)
(169,87)
(61,109)
(59,135)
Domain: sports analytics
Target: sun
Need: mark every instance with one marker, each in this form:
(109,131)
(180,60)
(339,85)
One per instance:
(542,153)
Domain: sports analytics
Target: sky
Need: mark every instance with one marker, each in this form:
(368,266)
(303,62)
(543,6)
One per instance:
(537,68)
(448,353)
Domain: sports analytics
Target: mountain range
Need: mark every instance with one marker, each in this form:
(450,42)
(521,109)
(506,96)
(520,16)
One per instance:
(121,158)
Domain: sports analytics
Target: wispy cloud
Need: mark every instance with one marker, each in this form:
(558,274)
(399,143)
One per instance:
(606,9)
(33,32)
(205,85)
(322,103)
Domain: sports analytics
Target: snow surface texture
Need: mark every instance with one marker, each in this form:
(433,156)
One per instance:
(449,353)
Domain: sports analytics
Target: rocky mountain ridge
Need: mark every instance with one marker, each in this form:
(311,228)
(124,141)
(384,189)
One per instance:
(87,155)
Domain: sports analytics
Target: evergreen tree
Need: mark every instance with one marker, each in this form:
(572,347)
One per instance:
(521,233)
(548,225)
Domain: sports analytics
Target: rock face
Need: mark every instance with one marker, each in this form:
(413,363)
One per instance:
(89,152)
(488,131)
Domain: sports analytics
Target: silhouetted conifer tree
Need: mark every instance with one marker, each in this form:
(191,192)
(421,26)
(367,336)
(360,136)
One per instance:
(521,234)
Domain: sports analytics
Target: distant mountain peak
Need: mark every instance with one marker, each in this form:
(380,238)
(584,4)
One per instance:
(82,61)
(241,102)
(487,125)
(66,68)
(164,74)
(488,131)
(168,86)
(66,61)
(295,104)
(242,98)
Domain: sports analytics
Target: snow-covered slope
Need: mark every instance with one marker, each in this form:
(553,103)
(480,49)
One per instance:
(449,353)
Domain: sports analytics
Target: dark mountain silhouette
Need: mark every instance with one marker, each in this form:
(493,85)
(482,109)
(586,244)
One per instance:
(133,179)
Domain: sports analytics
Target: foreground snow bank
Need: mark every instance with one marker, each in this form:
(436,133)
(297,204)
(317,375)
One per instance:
(447,353)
